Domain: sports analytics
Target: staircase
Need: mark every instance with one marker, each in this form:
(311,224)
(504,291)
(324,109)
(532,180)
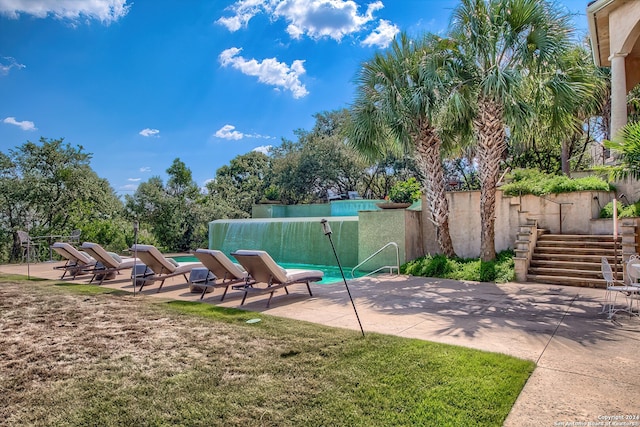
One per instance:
(566,259)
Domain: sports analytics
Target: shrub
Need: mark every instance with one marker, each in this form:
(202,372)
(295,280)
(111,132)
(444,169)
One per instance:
(628,211)
(405,191)
(528,181)
(487,271)
(272,193)
(500,271)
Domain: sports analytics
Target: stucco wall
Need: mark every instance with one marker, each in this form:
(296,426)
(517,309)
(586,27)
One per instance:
(579,209)
(377,228)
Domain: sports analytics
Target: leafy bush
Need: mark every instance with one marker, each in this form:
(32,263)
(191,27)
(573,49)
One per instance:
(272,193)
(529,181)
(627,143)
(628,211)
(405,191)
(500,271)
(487,271)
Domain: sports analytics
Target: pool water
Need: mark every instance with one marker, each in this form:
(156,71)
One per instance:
(331,273)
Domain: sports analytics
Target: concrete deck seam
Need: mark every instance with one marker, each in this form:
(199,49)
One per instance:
(557,327)
(582,374)
(411,327)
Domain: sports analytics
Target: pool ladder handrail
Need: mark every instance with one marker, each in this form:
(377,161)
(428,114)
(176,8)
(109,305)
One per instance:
(384,267)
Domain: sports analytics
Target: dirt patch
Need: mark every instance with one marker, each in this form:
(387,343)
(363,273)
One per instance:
(50,336)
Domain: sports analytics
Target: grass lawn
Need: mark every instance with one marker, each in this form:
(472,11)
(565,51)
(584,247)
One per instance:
(84,355)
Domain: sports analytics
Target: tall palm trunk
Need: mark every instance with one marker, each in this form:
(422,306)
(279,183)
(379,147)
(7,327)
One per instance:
(491,143)
(428,148)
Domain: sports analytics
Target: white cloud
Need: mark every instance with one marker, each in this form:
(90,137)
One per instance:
(268,71)
(134,179)
(244,10)
(228,132)
(106,11)
(129,187)
(145,169)
(264,149)
(149,132)
(324,18)
(382,36)
(315,18)
(7,63)
(24,125)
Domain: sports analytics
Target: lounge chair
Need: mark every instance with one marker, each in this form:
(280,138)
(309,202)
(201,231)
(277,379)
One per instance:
(225,272)
(263,269)
(77,261)
(108,263)
(158,267)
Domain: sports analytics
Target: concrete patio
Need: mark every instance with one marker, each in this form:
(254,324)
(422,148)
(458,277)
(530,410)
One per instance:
(587,366)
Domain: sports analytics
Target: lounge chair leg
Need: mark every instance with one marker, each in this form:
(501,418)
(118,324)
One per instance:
(309,289)
(204,290)
(286,290)
(161,283)
(271,296)
(244,298)
(224,293)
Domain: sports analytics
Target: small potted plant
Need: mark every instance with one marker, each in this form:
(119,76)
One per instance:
(402,194)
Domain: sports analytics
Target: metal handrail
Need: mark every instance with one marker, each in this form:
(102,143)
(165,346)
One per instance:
(390,267)
(559,207)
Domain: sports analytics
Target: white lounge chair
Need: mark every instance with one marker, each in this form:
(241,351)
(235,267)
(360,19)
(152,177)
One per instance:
(226,273)
(77,261)
(158,267)
(263,269)
(108,263)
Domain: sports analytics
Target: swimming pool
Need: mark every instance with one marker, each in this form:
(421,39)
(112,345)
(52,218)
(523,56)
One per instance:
(331,273)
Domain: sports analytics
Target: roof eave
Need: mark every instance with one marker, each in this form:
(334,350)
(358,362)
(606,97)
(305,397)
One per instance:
(592,9)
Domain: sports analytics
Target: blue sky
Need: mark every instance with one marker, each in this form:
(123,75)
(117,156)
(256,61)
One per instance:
(138,84)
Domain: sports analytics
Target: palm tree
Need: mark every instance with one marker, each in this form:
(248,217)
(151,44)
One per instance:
(563,100)
(627,143)
(503,41)
(396,103)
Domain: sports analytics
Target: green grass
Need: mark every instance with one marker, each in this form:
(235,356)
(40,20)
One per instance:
(500,271)
(218,370)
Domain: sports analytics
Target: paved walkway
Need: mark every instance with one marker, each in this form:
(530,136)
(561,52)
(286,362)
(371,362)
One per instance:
(588,368)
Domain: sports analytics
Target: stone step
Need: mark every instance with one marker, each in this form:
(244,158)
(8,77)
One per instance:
(589,265)
(578,237)
(575,251)
(554,271)
(567,281)
(576,244)
(573,257)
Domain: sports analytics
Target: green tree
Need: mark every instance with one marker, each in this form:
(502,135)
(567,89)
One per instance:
(565,100)
(239,185)
(175,212)
(398,98)
(50,189)
(627,143)
(319,161)
(503,42)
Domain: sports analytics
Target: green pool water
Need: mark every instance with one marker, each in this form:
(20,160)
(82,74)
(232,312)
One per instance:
(331,273)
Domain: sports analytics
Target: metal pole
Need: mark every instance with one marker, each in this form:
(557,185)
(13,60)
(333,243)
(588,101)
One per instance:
(135,255)
(327,231)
